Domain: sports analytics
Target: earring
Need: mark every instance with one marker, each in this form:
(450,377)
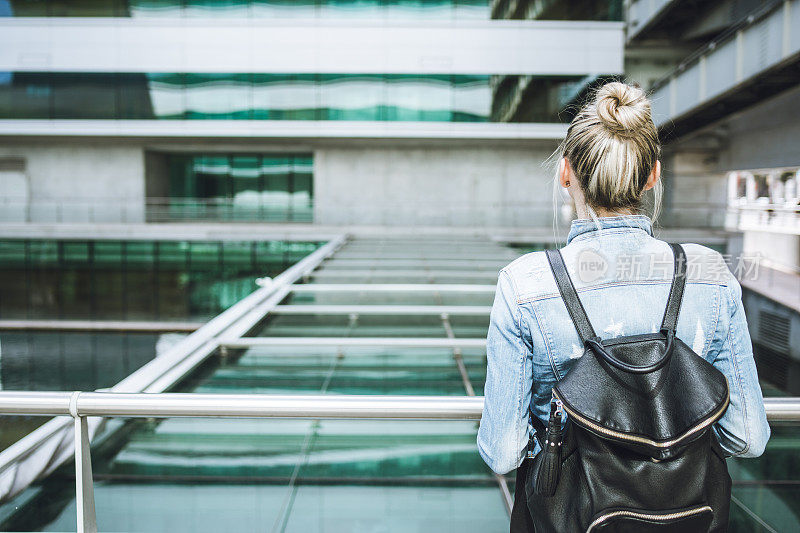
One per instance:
(567,184)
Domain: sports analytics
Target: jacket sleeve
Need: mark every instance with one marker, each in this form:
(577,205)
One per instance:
(503,432)
(743,430)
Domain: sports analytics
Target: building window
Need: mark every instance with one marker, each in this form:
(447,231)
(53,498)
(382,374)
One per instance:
(233,187)
(352,97)
(253,9)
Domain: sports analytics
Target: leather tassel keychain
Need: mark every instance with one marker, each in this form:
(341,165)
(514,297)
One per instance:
(550,465)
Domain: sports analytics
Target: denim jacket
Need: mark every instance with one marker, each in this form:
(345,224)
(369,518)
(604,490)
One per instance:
(622,275)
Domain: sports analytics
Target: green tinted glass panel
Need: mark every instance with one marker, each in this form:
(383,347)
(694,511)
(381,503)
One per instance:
(167,96)
(217,96)
(134,280)
(610,10)
(252,9)
(25,96)
(275,187)
(349,97)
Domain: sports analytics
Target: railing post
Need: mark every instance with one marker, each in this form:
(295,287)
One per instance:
(84,487)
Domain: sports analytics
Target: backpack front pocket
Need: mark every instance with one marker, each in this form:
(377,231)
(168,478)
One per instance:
(621,520)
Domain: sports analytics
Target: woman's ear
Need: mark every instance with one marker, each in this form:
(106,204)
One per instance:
(654,176)
(564,172)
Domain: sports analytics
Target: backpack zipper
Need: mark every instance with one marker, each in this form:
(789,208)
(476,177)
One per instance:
(643,440)
(648,516)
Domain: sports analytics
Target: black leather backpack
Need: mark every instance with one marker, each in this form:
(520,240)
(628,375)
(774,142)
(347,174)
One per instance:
(637,452)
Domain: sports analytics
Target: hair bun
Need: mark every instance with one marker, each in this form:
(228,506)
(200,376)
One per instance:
(622,108)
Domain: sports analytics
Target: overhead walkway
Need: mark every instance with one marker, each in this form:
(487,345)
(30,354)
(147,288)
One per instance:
(657,16)
(313,345)
(753,60)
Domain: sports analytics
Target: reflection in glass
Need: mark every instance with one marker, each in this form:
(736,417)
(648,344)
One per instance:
(352,97)
(274,187)
(156,8)
(134,280)
(203,96)
(253,9)
(62,8)
(472,99)
(216,8)
(217,96)
(284,8)
(84,97)
(424,9)
(64,360)
(321,9)
(24,95)
(557,10)
(423,98)
(285,97)
(166,95)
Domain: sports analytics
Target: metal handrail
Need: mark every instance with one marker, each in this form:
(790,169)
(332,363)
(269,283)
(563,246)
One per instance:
(167,405)
(79,405)
(241,405)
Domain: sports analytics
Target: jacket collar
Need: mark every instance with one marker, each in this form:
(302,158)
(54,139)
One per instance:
(587,227)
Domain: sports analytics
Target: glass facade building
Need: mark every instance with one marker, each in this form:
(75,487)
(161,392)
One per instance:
(176,86)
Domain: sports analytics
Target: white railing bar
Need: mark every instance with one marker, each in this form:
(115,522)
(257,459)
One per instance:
(312,406)
(482,255)
(167,405)
(382,309)
(99,325)
(389,263)
(442,239)
(393,287)
(342,342)
(417,273)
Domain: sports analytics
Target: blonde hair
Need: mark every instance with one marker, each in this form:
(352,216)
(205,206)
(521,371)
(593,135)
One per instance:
(612,146)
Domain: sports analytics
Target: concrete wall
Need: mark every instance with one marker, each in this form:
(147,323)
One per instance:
(80,182)
(780,248)
(695,191)
(443,185)
(764,136)
(459,186)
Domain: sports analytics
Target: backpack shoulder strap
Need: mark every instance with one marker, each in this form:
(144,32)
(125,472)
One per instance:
(670,321)
(570,296)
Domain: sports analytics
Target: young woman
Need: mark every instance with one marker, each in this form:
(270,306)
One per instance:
(622,274)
